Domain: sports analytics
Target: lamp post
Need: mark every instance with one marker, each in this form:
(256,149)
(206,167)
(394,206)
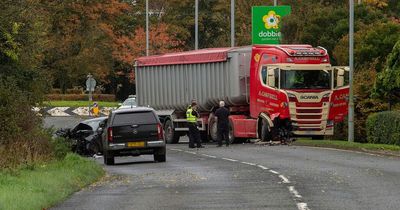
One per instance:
(351,63)
(232,23)
(196,25)
(275,3)
(147,27)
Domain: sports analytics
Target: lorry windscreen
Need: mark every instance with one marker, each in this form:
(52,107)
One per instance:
(305,79)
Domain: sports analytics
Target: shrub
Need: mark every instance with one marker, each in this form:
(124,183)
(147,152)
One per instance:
(74,91)
(80,97)
(384,128)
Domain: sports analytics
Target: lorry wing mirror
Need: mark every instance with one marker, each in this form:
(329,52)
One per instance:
(271,77)
(340,78)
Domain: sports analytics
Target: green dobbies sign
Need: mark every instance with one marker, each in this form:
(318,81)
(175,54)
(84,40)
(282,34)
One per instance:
(266,24)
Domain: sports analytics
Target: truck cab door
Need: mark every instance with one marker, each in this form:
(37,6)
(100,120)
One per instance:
(340,95)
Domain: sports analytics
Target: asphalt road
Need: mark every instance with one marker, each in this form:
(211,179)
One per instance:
(246,176)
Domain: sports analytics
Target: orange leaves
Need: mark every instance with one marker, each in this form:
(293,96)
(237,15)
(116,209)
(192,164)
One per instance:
(127,48)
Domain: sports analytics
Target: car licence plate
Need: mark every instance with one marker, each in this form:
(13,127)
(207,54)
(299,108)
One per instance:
(136,144)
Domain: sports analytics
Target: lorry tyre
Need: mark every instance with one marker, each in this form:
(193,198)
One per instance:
(160,155)
(265,131)
(231,138)
(171,137)
(213,130)
(108,158)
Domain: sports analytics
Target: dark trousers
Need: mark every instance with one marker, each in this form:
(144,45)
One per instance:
(223,135)
(194,135)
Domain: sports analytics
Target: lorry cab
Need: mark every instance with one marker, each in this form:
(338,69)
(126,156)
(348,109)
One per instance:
(296,84)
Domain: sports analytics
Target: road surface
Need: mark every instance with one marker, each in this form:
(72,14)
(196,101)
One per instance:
(246,176)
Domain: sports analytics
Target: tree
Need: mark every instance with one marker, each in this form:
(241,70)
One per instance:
(387,85)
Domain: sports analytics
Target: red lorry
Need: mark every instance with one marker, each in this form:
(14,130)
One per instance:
(271,90)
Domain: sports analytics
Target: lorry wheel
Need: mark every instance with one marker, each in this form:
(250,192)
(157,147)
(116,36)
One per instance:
(160,155)
(265,131)
(232,138)
(213,130)
(108,158)
(171,137)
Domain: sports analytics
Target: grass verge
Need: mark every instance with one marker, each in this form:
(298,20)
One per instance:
(43,186)
(78,103)
(374,148)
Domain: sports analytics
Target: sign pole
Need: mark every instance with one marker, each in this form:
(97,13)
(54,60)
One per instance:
(351,62)
(275,3)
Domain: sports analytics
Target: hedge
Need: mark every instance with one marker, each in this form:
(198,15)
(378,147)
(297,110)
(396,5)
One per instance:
(384,128)
(80,97)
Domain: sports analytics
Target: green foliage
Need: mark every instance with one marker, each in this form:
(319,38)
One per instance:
(45,185)
(384,128)
(61,147)
(388,82)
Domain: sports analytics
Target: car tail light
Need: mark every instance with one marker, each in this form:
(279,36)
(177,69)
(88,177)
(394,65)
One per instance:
(160,131)
(110,135)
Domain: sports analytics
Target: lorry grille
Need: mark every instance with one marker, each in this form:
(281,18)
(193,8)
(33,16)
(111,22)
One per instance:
(309,118)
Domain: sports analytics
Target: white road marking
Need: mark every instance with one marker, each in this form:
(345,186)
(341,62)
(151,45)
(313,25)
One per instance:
(294,192)
(302,206)
(190,152)
(252,164)
(228,159)
(263,167)
(210,156)
(274,172)
(284,179)
(176,150)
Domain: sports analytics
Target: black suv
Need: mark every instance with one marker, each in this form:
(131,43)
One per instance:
(133,132)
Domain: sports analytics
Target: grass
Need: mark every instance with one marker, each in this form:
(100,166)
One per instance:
(78,103)
(348,145)
(43,186)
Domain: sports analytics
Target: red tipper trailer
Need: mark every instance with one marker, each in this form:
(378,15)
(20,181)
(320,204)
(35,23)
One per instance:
(270,90)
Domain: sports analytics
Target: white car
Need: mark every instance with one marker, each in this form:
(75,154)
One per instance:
(128,103)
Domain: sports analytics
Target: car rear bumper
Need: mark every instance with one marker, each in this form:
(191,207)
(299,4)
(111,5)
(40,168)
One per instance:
(123,146)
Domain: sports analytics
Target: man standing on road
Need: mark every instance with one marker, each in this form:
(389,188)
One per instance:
(194,133)
(222,117)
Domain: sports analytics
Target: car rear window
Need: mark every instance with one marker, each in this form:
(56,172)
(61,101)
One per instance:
(134,118)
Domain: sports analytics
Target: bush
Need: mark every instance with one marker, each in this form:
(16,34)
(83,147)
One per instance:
(22,140)
(384,128)
(61,147)
(80,97)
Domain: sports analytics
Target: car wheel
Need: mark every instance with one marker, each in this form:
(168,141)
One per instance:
(108,158)
(160,155)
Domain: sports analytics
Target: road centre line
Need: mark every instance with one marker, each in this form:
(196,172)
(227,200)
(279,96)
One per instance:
(176,150)
(210,156)
(262,167)
(228,159)
(284,179)
(302,206)
(294,192)
(247,163)
(274,172)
